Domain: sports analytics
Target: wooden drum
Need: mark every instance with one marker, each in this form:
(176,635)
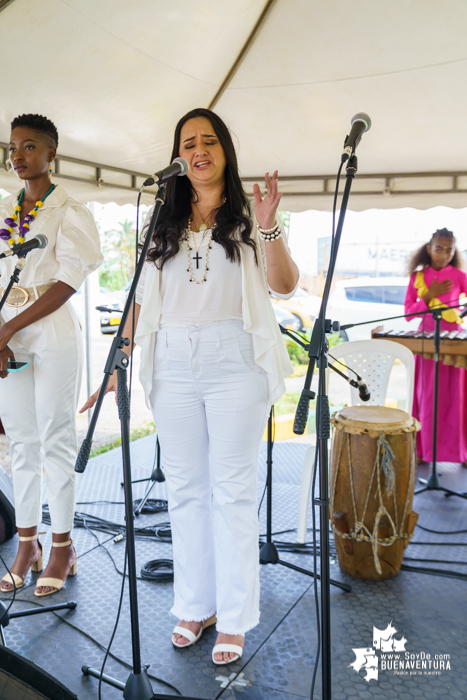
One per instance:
(372,480)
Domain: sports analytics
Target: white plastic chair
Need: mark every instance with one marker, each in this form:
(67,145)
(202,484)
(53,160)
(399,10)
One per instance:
(373,361)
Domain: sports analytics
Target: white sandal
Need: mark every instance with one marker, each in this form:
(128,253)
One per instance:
(188,634)
(230,649)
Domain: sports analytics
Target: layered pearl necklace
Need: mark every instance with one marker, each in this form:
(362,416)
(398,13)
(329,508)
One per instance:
(202,228)
(23,227)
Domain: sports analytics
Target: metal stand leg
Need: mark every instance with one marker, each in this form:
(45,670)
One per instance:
(268,553)
(157,476)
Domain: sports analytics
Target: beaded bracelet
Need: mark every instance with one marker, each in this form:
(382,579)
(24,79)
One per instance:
(270,234)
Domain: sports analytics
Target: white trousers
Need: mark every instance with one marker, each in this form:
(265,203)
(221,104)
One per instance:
(38,409)
(210,406)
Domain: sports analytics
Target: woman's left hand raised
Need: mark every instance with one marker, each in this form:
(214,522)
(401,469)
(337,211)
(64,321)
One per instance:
(266,208)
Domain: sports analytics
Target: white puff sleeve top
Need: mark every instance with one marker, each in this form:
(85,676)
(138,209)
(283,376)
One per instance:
(73,248)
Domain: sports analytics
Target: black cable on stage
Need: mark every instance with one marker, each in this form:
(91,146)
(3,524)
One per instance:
(161,570)
(434,572)
(273,435)
(97,643)
(100,503)
(315,580)
(318,430)
(133,327)
(149,575)
(439,532)
(152,505)
(440,544)
(14,589)
(437,561)
(158,531)
(117,620)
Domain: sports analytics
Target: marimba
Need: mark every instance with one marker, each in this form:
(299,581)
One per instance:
(453,345)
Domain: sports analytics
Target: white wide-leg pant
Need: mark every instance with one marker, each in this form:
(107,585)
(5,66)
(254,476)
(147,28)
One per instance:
(38,409)
(210,406)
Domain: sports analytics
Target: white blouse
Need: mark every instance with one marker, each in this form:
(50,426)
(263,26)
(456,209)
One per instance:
(186,303)
(73,248)
(256,312)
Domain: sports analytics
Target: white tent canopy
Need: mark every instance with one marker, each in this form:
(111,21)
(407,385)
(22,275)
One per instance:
(286,75)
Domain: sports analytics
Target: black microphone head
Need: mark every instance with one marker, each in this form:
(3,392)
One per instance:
(184,165)
(361,117)
(43,241)
(363,392)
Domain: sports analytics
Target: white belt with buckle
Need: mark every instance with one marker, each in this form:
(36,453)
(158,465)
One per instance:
(19,296)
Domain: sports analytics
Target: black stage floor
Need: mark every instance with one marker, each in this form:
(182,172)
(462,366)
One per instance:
(429,611)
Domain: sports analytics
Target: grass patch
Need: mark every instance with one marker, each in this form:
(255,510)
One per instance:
(146,429)
(287,403)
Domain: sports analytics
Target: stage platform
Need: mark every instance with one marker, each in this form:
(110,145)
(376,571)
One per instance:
(428,611)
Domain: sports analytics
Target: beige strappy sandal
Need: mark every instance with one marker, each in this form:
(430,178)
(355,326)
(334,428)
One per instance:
(36,567)
(56,583)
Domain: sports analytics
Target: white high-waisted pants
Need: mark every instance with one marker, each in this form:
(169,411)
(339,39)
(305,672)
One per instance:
(38,410)
(210,406)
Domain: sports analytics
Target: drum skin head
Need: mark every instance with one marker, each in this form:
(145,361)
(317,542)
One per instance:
(369,419)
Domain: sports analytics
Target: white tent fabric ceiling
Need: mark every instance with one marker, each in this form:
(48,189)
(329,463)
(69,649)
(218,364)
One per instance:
(115,77)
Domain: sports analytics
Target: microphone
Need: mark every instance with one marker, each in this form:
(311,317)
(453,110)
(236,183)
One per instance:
(361,386)
(360,122)
(22,249)
(363,391)
(179,167)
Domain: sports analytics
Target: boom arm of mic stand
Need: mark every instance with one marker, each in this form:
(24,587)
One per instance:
(393,318)
(117,358)
(305,346)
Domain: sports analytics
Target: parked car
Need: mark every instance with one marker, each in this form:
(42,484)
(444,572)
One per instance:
(110,319)
(286,319)
(113,303)
(303,306)
(367,299)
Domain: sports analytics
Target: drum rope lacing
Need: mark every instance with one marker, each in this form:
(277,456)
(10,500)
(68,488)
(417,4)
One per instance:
(383,462)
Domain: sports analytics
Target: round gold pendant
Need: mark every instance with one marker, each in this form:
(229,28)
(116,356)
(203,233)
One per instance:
(202,227)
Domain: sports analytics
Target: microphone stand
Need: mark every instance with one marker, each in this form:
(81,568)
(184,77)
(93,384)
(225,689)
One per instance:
(268,553)
(318,351)
(19,267)
(432,483)
(138,685)
(157,476)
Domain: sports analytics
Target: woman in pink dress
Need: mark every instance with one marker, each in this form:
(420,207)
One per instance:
(437,279)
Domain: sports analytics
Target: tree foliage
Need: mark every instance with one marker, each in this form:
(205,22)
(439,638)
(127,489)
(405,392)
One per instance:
(118,248)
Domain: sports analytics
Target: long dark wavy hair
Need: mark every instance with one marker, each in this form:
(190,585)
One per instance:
(421,257)
(232,216)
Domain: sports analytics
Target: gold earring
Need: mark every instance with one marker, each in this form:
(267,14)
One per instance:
(50,169)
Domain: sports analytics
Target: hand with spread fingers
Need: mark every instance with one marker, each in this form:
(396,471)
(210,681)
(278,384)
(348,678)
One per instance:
(266,207)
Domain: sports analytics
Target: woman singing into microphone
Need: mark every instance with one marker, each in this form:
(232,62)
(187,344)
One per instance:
(39,327)
(212,363)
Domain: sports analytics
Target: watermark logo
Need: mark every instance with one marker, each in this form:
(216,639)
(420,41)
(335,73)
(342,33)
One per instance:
(393,656)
